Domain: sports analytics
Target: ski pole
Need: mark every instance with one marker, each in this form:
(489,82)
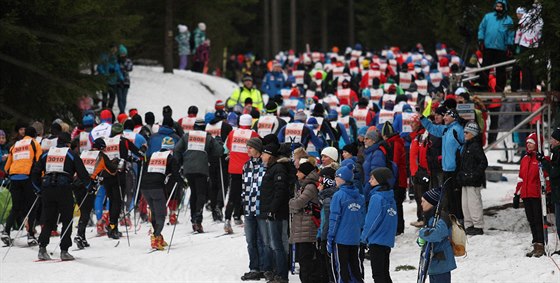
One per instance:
(222,180)
(71,222)
(173,233)
(171,195)
(122,209)
(21,227)
(137,193)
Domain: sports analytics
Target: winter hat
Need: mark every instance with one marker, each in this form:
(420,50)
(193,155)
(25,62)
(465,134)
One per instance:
(346,173)
(271,148)
(333,115)
(132,112)
(182,28)
(199,125)
(2,133)
(19,125)
(387,130)
(245,120)
(453,113)
(193,110)
(167,121)
(209,117)
(247,77)
(441,110)
(167,143)
(327,172)
(87,121)
(116,129)
(128,125)
(167,111)
(255,143)
(106,116)
(382,175)
(63,138)
(362,131)
(30,131)
(472,128)
(271,107)
(330,152)
(556,134)
(313,122)
(450,103)
(432,196)
(532,138)
(149,118)
(220,105)
(270,138)
(345,110)
(351,148)
(137,119)
(300,116)
(318,110)
(202,26)
(55,128)
(520,10)
(306,168)
(38,127)
(363,102)
(220,114)
(99,143)
(372,135)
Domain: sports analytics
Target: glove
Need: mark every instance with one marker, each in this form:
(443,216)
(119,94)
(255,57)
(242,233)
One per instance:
(540,156)
(421,242)
(481,45)
(38,193)
(329,247)
(271,216)
(516,201)
(92,189)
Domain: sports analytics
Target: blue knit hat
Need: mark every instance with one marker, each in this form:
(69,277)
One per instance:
(87,121)
(346,173)
(432,196)
(362,131)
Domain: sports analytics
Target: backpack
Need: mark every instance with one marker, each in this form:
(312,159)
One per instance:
(314,210)
(458,237)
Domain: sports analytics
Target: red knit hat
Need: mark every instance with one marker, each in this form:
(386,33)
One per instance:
(132,112)
(106,115)
(220,105)
(443,62)
(122,117)
(318,76)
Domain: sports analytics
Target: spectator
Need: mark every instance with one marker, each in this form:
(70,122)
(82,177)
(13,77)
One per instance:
(527,37)
(184,48)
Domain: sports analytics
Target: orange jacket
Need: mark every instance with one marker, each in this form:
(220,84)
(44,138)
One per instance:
(21,165)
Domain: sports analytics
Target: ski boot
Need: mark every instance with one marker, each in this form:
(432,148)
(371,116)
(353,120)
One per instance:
(81,242)
(43,254)
(113,232)
(65,256)
(5,237)
(227,227)
(252,276)
(238,221)
(173,218)
(101,228)
(154,242)
(55,233)
(217,215)
(197,228)
(31,240)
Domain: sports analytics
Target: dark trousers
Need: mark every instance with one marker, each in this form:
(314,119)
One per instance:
(113,187)
(109,97)
(522,75)
(199,188)
(533,211)
(122,92)
(380,263)
(453,195)
(156,200)
(306,256)
(419,190)
(57,200)
(85,209)
(234,201)
(491,57)
(347,261)
(441,278)
(23,197)
(400,196)
(217,184)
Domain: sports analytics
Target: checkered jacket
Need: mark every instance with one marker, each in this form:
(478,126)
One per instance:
(253,172)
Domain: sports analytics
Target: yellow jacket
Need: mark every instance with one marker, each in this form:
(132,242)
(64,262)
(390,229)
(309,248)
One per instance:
(23,154)
(239,95)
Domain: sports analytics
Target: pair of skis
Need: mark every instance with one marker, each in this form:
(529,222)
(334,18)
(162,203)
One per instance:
(543,191)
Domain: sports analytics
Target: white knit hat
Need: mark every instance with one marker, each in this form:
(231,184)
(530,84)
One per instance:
(330,152)
(245,120)
(182,28)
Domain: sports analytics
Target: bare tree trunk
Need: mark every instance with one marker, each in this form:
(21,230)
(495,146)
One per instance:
(293,43)
(324,31)
(168,43)
(276,27)
(266,29)
(307,24)
(351,25)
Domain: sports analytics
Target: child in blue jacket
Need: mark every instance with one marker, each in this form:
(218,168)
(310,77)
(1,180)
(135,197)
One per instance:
(345,223)
(380,226)
(443,260)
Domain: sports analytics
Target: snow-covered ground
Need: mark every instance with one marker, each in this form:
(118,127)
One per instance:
(496,256)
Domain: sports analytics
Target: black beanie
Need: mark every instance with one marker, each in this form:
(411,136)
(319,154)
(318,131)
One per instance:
(382,175)
(351,148)
(63,138)
(306,168)
(149,118)
(128,125)
(56,128)
(30,131)
(271,107)
(193,110)
(167,121)
(137,119)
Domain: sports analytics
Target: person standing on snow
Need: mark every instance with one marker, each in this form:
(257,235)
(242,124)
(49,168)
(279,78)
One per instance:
(109,68)
(184,48)
(495,40)
(552,166)
(199,35)
(125,65)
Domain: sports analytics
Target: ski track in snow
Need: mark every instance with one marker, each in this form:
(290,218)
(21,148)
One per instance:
(496,256)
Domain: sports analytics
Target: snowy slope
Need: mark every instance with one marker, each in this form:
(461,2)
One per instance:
(496,256)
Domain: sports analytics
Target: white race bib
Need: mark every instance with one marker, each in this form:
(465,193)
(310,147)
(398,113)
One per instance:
(197,140)
(55,160)
(385,116)
(361,117)
(265,125)
(240,138)
(89,158)
(22,149)
(188,123)
(113,147)
(85,144)
(158,161)
(47,144)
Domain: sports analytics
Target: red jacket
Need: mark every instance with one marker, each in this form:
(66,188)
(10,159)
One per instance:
(399,157)
(418,155)
(529,182)
(238,159)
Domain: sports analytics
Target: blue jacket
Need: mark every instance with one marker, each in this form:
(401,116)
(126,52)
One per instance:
(139,140)
(109,68)
(347,216)
(273,82)
(496,33)
(380,226)
(452,141)
(358,175)
(155,139)
(307,135)
(443,259)
(375,158)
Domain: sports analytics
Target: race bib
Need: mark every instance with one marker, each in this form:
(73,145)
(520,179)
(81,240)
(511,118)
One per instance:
(240,138)
(101,131)
(158,161)
(265,125)
(131,136)
(385,116)
(188,123)
(113,147)
(422,86)
(344,94)
(436,78)
(361,117)
(285,93)
(376,95)
(214,130)
(47,144)
(89,158)
(85,144)
(293,132)
(299,76)
(197,140)
(345,121)
(22,150)
(405,79)
(55,160)
(291,104)
(407,120)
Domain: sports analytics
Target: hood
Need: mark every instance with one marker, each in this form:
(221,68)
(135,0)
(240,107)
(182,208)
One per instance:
(504,2)
(165,130)
(383,191)
(311,178)
(350,190)
(533,136)
(353,160)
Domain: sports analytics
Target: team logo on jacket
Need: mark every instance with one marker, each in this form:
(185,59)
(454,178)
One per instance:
(354,206)
(391,212)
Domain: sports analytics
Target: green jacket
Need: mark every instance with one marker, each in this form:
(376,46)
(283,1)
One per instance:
(242,93)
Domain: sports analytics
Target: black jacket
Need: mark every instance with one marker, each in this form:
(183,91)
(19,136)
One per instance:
(473,164)
(153,181)
(434,153)
(553,169)
(275,192)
